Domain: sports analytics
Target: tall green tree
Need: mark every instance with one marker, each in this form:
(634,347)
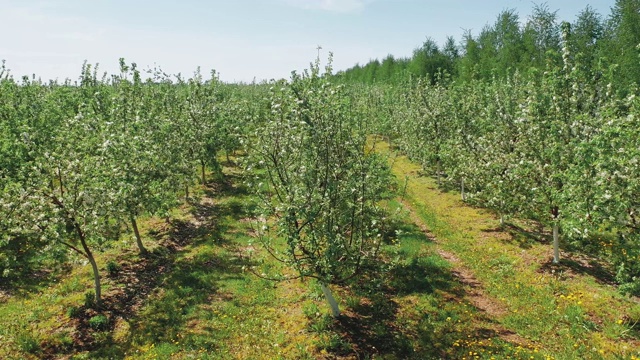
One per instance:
(588,30)
(623,41)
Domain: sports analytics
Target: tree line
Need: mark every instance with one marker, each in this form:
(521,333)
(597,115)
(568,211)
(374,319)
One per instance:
(511,45)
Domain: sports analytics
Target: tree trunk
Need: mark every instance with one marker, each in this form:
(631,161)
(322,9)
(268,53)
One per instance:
(94,266)
(335,310)
(203,166)
(404,189)
(556,245)
(464,196)
(438,171)
(141,248)
(86,252)
(186,192)
(555,213)
(60,183)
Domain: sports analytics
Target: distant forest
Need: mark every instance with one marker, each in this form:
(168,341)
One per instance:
(510,45)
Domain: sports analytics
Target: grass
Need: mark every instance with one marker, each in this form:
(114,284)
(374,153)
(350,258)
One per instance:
(190,299)
(567,314)
(451,286)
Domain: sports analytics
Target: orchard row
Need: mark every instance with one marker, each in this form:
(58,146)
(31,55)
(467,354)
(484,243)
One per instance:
(560,146)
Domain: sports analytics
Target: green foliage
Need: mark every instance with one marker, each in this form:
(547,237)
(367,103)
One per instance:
(556,146)
(99,322)
(83,160)
(113,268)
(513,44)
(318,180)
(622,37)
(89,299)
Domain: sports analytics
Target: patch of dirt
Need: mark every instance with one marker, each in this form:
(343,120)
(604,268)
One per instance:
(474,292)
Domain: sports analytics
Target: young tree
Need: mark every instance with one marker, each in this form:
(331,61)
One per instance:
(318,181)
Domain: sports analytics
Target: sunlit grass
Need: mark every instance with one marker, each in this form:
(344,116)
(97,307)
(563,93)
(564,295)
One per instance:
(567,316)
(202,302)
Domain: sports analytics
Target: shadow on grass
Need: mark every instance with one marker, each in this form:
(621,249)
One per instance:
(571,263)
(150,298)
(32,265)
(524,238)
(30,279)
(576,264)
(381,323)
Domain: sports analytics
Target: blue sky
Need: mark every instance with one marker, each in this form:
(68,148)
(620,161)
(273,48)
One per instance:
(241,39)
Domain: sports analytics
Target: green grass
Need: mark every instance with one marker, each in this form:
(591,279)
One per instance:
(191,298)
(194,298)
(567,314)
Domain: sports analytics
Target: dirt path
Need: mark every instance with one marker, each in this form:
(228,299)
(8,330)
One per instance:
(474,290)
(506,274)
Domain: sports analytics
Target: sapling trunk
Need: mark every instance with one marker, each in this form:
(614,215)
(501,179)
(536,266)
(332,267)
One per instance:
(203,166)
(60,183)
(335,310)
(556,246)
(404,189)
(94,265)
(463,195)
(141,248)
(186,192)
(438,171)
(555,213)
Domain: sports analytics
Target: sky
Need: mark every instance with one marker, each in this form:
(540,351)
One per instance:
(243,40)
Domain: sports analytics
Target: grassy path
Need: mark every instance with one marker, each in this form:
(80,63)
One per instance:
(564,310)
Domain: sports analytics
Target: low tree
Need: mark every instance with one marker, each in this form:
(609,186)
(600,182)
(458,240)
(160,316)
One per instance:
(319,186)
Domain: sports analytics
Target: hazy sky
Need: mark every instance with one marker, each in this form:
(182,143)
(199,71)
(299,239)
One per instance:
(241,39)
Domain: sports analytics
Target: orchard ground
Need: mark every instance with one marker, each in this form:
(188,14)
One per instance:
(453,285)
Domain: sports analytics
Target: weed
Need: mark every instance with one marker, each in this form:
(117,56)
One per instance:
(311,310)
(73,311)
(321,324)
(334,343)
(62,340)
(28,342)
(99,322)
(353,302)
(70,286)
(113,268)
(89,299)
